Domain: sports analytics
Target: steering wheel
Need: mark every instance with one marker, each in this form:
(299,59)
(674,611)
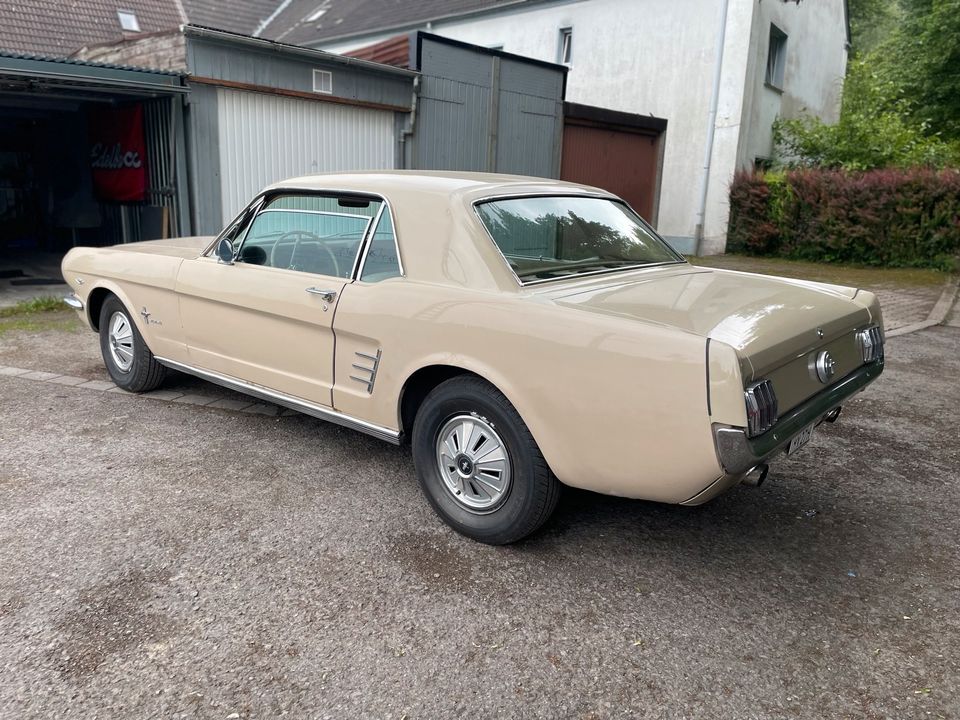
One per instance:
(299,236)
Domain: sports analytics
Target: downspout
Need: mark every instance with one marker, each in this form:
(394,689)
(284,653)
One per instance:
(711,128)
(411,123)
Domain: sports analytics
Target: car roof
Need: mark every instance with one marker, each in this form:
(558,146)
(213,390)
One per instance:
(439,236)
(433,181)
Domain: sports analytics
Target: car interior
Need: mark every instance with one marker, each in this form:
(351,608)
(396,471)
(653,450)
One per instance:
(321,235)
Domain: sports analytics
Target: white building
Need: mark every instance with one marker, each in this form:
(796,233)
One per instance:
(719,71)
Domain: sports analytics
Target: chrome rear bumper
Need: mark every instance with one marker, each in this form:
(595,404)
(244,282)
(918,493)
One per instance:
(739,454)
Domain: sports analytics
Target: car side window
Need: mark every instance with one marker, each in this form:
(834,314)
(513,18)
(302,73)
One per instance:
(381,261)
(318,234)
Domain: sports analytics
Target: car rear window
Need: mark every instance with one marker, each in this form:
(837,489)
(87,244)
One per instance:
(552,237)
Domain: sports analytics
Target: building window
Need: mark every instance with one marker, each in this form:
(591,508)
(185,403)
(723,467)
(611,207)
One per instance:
(323,81)
(776,57)
(128,21)
(565,47)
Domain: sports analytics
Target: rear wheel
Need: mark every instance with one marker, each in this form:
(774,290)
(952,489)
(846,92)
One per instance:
(129,361)
(478,464)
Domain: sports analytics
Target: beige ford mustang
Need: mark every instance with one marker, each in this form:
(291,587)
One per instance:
(520,333)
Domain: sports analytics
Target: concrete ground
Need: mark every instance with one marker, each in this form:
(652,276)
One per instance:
(25,275)
(161,559)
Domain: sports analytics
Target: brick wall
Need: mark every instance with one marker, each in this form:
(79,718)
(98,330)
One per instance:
(157,51)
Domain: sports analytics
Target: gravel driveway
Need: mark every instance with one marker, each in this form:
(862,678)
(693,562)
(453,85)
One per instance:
(165,560)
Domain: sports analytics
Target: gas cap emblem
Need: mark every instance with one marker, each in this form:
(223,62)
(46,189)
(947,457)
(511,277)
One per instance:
(825,367)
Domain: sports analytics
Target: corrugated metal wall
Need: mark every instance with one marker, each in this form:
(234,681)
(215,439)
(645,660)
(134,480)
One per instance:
(266,138)
(482,110)
(158,130)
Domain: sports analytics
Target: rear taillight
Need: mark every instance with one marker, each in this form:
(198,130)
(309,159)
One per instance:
(761,407)
(870,342)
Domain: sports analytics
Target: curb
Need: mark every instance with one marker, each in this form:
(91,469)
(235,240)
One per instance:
(939,312)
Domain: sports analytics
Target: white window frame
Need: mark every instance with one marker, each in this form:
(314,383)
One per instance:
(565,46)
(322,81)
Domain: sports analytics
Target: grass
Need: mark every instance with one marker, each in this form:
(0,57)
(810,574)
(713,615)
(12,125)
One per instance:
(38,315)
(851,275)
(39,323)
(33,306)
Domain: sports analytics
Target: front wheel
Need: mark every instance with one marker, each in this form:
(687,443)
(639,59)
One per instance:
(478,464)
(129,361)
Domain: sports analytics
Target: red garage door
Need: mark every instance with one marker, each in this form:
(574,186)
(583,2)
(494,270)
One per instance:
(625,161)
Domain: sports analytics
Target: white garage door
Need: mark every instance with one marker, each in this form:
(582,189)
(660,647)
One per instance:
(266,138)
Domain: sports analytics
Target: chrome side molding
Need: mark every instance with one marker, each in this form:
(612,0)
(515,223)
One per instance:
(288,401)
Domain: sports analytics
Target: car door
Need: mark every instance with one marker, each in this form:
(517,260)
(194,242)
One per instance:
(267,317)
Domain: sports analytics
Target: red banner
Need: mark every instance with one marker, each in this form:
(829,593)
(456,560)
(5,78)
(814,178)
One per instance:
(118,153)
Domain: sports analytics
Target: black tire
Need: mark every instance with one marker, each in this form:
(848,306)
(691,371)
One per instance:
(144,372)
(532,492)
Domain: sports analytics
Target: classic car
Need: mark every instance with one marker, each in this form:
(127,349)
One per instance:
(520,333)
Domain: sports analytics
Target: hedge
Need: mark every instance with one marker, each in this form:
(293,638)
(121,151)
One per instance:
(895,218)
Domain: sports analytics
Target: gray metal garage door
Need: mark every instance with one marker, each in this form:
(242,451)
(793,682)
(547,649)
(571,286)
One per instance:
(266,138)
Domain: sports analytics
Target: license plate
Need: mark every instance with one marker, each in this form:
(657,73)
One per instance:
(800,439)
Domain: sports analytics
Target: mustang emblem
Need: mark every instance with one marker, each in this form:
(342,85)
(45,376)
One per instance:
(146,317)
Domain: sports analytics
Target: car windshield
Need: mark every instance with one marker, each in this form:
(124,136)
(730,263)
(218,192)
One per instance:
(551,237)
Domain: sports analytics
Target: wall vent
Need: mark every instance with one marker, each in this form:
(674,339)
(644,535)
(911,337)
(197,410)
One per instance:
(323,81)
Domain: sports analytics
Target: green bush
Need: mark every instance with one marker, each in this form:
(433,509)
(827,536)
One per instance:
(876,129)
(894,218)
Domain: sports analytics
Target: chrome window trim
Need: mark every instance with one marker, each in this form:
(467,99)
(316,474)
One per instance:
(367,242)
(294,189)
(584,194)
(289,401)
(316,212)
(252,207)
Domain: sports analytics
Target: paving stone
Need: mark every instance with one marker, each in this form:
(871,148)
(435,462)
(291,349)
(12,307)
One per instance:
(13,371)
(163,395)
(68,380)
(98,385)
(191,399)
(230,404)
(40,375)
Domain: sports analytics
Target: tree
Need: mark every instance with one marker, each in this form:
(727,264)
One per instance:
(871,22)
(922,60)
(901,103)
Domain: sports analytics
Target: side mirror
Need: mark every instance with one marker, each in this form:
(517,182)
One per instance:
(225,252)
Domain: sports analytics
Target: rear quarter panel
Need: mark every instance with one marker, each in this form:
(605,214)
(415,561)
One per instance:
(616,406)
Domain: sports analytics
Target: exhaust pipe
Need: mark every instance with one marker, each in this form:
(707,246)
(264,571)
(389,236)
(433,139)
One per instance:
(833,415)
(755,477)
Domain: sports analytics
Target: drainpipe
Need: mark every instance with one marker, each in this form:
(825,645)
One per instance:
(411,123)
(711,127)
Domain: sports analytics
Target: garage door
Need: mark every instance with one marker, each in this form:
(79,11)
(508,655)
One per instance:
(625,163)
(266,138)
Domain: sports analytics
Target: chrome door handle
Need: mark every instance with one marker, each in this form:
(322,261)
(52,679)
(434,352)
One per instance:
(326,295)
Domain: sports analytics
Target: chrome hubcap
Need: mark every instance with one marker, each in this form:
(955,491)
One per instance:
(120,340)
(473,462)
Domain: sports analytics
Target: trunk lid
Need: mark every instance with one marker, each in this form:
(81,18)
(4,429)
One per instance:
(770,321)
